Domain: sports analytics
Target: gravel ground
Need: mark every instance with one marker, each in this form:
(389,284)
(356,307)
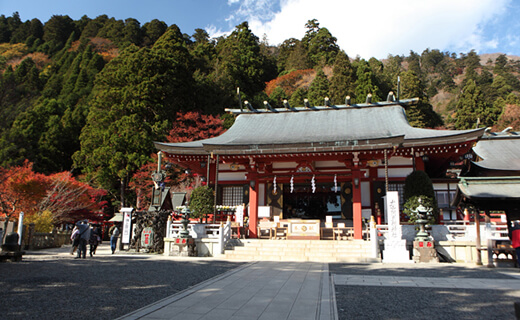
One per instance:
(53,285)
(370,302)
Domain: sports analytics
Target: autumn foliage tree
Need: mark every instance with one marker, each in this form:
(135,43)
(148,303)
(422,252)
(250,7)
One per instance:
(188,126)
(67,199)
(20,190)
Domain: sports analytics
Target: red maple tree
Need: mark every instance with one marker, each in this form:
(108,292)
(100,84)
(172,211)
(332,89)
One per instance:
(189,126)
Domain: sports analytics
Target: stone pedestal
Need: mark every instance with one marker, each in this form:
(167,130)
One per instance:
(183,247)
(395,252)
(424,251)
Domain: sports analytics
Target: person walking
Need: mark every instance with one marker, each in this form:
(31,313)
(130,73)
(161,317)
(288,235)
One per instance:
(84,236)
(95,239)
(75,240)
(515,240)
(114,235)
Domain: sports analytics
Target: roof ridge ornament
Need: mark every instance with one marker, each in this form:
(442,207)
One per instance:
(249,106)
(327,102)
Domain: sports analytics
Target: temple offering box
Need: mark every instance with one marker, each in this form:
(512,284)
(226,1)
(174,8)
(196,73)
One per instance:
(303,229)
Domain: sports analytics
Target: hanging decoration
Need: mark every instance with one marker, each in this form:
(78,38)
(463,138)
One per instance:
(313,184)
(274,185)
(292,184)
(335,184)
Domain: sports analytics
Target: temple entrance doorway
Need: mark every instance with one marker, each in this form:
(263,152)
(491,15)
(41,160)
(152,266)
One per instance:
(303,203)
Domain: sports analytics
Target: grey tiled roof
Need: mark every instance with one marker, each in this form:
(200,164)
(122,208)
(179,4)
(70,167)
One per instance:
(499,151)
(331,129)
(489,187)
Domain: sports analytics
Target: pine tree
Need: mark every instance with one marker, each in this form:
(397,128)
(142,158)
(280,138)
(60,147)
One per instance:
(342,81)
(470,107)
(319,89)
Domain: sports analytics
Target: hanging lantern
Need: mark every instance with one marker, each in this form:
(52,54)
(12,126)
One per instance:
(335,183)
(292,184)
(274,185)
(313,184)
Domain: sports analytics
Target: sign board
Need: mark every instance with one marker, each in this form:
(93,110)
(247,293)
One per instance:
(239,215)
(127,224)
(264,212)
(392,209)
(304,229)
(147,237)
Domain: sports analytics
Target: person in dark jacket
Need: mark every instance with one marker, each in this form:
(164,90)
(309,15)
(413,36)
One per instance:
(84,236)
(95,239)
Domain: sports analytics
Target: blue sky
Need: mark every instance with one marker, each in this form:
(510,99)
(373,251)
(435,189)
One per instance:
(370,28)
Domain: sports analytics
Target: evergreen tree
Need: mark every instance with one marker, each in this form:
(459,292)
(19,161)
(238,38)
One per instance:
(421,115)
(319,89)
(240,62)
(366,83)
(342,82)
(471,107)
(298,97)
(142,89)
(320,44)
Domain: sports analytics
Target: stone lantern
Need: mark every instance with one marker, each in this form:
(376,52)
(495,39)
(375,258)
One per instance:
(423,214)
(423,245)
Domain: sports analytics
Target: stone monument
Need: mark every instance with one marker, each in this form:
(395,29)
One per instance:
(395,246)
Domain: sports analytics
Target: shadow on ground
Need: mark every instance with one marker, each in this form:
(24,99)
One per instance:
(103,287)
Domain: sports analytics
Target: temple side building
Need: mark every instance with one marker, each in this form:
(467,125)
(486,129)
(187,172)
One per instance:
(491,181)
(309,163)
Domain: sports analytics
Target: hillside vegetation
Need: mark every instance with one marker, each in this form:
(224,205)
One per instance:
(91,95)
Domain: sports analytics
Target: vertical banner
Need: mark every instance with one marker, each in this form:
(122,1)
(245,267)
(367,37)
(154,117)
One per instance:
(239,215)
(127,223)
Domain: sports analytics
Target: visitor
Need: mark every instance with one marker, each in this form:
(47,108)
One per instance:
(75,240)
(95,239)
(515,240)
(84,236)
(114,235)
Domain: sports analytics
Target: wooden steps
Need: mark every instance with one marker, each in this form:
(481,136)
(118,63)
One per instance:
(350,251)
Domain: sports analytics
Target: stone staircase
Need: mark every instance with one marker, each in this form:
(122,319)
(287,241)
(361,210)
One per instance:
(349,251)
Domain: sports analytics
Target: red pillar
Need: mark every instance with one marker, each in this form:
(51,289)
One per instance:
(253,208)
(419,164)
(356,204)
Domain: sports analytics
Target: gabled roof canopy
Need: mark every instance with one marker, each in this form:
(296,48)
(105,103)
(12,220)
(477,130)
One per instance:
(321,129)
(499,151)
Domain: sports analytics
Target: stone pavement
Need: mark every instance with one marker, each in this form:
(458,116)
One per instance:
(294,290)
(260,290)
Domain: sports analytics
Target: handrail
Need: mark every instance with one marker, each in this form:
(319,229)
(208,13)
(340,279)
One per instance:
(460,231)
(221,231)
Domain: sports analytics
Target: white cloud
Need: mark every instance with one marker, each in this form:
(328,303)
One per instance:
(376,28)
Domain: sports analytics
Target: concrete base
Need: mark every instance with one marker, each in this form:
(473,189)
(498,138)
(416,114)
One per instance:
(395,252)
(424,251)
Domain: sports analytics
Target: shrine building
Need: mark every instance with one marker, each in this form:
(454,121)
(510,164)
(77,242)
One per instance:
(314,162)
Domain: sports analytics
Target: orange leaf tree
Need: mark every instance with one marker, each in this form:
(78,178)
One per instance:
(69,199)
(189,126)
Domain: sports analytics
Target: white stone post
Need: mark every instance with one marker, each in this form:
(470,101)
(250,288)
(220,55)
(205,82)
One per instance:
(373,238)
(169,227)
(20,228)
(221,237)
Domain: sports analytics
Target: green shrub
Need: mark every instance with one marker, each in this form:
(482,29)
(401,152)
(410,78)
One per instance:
(201,202)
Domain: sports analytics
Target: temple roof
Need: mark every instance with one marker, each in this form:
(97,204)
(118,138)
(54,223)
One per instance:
(499,151)
(339,128)
(490,187)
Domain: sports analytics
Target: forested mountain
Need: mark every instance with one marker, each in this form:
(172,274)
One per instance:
(91,95)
